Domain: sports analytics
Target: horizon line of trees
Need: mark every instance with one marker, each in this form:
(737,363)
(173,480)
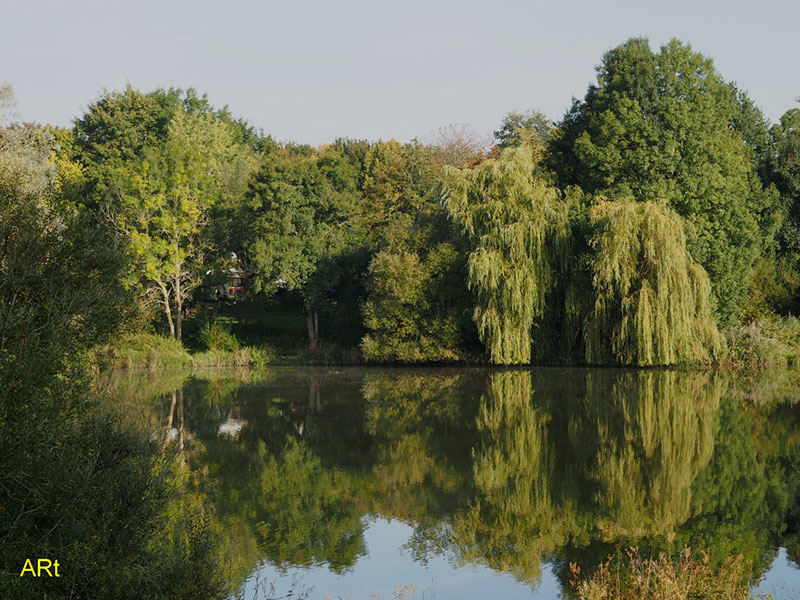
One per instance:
(661,210)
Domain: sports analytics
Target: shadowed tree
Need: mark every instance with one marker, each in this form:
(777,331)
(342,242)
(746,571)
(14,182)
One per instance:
(301,207)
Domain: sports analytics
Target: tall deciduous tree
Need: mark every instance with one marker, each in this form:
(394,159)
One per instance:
(417,298)
(664,126)
(784,172)
(506,212)
(64,459)
(8,103)
(58,288)
(301,205)
(161,205)
(398,179)
(114,132)
(519,128)
(458,145)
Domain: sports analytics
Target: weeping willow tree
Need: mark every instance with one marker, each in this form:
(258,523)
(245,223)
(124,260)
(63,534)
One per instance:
(652,300)
(506,211)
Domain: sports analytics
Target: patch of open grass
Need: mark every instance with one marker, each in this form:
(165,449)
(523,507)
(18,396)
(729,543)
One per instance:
(144,351)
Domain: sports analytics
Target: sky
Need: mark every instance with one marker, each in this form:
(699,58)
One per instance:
(312,71)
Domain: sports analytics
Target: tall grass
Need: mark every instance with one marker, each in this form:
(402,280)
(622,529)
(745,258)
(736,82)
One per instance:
(151,351)
(144,351)
(664,578)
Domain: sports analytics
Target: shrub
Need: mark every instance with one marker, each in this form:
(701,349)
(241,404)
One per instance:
(261,356)
(770,342)
(101,500)
(145,350)
(217,335)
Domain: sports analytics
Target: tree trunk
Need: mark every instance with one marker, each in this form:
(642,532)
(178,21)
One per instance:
(312,322)
(168,310)
(181,427)
(179,316)
(314,402)
(177,269)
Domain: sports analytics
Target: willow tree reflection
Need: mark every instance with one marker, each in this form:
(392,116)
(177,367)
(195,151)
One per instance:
(514,519)
(654,434)
(585,464)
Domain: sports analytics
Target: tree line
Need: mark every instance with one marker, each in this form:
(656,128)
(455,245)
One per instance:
(656,216)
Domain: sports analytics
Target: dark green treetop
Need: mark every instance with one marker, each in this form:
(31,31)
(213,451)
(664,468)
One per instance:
(663,125)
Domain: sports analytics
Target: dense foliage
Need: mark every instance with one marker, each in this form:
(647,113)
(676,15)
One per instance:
(658,223)
(76,483)
(662,200)
(512,469)
(507,214)
(666,126)
(301,232)
(646,228)
(652,301)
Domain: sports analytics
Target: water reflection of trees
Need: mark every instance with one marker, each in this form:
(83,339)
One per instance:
(423,425)
(514,518)
(507,468)
(654,434)
(423,439)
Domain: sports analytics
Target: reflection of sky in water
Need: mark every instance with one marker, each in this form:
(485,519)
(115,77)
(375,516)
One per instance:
(782,580)
(387,565)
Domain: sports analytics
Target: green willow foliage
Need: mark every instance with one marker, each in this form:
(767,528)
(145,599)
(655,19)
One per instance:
(655,434)
(389,249)
(509,468)
(506,212)
(652,301)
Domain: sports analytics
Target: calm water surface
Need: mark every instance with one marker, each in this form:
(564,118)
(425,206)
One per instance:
(473,483)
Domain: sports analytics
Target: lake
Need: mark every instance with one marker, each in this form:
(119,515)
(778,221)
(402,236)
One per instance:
(470,483)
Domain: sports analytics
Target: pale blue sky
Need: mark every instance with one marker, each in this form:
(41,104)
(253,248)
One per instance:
(314,70)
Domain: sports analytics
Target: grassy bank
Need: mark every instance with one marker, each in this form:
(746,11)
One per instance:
(154,351)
